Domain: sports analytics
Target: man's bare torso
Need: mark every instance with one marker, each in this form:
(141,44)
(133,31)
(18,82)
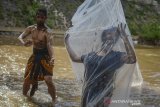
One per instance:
(39,38)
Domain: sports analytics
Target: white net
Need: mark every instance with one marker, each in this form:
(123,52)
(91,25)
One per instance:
(102,55)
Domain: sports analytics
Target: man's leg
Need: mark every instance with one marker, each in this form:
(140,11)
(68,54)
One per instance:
(34,88)
(51,87)
(26,86)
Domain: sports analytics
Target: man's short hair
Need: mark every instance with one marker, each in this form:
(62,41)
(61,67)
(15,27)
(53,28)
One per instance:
(42,10)
(110,30)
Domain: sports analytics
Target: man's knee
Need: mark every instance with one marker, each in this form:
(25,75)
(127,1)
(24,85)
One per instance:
(27,81)
(48,80)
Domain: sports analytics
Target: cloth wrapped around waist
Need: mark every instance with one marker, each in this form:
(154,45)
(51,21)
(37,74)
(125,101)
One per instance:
(38,65)
(39,53)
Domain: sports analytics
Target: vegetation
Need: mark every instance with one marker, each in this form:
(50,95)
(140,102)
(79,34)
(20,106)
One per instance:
(142,20)
(151,32)
(1,10)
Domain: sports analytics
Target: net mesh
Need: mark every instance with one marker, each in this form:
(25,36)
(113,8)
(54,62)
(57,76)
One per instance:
(98,39)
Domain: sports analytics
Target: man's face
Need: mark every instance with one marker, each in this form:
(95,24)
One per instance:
(108,41)
(110,34)
(107,36)
(40,18)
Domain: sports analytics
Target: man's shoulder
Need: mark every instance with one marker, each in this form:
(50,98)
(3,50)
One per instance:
(32,26)
(49,30)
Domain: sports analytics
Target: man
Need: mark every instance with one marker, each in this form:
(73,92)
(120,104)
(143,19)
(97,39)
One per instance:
(101,66)
(41,62)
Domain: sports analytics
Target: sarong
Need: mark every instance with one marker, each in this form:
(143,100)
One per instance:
(38,65)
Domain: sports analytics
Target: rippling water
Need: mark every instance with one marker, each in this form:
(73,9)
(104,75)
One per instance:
(13,58)
(149,60)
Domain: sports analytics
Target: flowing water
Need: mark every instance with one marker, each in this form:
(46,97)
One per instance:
(149,61)
(13,59)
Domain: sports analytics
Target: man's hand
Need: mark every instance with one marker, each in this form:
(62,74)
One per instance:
(28,43)
(52,61)
(121,28)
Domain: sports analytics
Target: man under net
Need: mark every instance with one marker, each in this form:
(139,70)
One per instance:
(101,66)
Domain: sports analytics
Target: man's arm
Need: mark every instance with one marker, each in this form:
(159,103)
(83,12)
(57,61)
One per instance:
(50,48)
(24,35)
(72,54)
(130,57)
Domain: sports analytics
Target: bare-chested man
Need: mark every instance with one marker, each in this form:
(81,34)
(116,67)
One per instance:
(41,62)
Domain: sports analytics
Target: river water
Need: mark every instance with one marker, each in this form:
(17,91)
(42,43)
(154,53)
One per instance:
(13,58)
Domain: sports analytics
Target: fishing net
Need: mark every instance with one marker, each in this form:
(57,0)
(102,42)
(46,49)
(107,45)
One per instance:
(104,70)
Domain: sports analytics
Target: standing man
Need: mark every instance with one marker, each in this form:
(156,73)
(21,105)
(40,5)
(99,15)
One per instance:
(41,62)
(101,66)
